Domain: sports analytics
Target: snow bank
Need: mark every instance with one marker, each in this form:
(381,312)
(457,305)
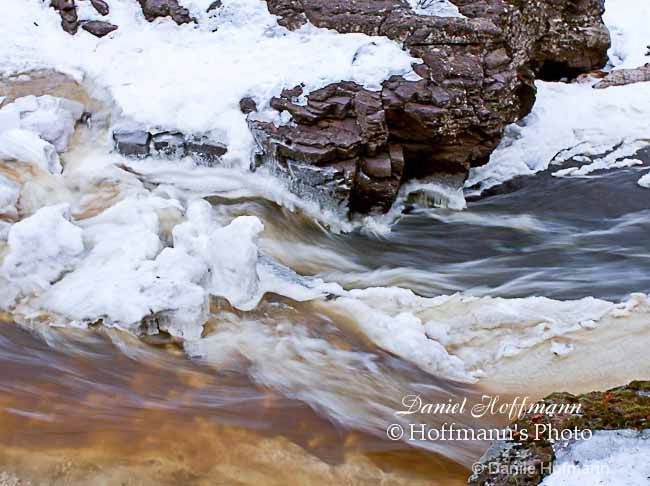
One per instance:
(574,120)
(192,77)
(610,457)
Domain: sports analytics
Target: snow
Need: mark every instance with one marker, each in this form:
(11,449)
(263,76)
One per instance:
(599,127)
(438,8)
(644,181)
(9,192)
(191,77)
(610,458)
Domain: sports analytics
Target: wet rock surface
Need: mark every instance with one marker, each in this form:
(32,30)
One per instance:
(477,76)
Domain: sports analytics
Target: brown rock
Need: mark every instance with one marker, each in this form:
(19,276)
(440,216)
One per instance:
(247,105)
(152,9)
(99,28)
(101,6)
(68,12)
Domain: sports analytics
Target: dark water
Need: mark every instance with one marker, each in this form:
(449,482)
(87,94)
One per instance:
(563,238)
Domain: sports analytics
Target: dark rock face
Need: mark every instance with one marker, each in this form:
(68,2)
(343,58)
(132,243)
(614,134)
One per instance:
(99,28)
(247,105)
(152,9)
(477,76)
(141,144)
(132,143)
(68,12)
(205,151)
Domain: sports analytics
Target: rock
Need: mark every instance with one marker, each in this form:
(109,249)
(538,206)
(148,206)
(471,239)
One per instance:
(101,6)
(152,9)
(621,77)
(214,5)
(247,105)
(99,28)
(169,144)
(205,150)
(132,143)
(527,459)
(68,12)
(477,77)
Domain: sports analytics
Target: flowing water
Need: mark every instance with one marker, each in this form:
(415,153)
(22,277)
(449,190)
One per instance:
(301,392)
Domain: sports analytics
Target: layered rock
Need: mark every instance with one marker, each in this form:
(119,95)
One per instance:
(477,76)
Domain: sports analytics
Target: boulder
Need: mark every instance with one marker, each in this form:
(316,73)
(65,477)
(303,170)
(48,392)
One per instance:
(101,6)
(152,9)
(132,143)
(478,76)
(98,28)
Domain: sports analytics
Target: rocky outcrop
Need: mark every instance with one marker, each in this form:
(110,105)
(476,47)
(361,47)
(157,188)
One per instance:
(621,77)
(529,457)
(477,76)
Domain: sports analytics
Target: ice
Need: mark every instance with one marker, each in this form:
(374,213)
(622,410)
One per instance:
(645,181)
(34,129)
(41,249)
(28,147)
(191,78)
(610,457)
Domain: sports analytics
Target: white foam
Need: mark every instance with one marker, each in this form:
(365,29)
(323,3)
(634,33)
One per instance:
(644,181)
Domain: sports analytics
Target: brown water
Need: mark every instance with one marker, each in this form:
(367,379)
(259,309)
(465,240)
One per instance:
(81,411)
